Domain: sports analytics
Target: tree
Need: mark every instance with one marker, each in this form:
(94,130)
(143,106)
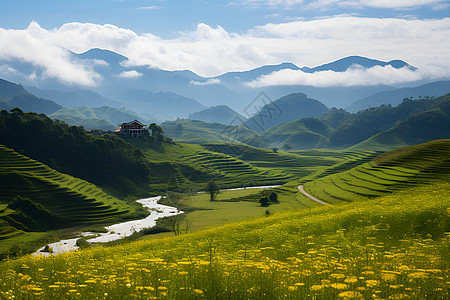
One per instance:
(213,188)
(264,201)
(287,147)
(157,131)
(273,197)
(275,149)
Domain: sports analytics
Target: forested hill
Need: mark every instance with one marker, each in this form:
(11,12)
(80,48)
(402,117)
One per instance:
(14,95)
(69,149)
(369,122)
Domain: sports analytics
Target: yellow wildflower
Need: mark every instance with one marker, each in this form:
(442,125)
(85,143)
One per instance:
(350,295)
(339,286)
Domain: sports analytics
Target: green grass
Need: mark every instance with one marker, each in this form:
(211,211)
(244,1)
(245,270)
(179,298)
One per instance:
(389,172)
(71,200)
(229,206)
(388,248)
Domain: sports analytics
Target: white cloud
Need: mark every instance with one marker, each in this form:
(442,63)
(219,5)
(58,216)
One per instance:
(149,7)
(130,74)
(354,76)
(36,45)
(323,4)
(210,51)
(207,82)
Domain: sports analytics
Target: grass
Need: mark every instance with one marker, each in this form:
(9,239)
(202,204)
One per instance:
(389,172)
(229,206)
(73,201)
(392,247)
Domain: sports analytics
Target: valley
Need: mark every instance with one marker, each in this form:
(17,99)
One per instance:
(282,199)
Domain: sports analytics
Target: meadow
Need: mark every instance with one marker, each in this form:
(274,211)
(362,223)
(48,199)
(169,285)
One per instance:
(393,247)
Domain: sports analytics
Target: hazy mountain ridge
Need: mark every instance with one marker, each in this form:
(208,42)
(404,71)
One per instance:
(219,114)
(396,96)
(105,118)
(229,89)
(285,109)
(14,95)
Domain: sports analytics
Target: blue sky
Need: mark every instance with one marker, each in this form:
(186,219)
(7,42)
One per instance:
(167,17)
(214,37)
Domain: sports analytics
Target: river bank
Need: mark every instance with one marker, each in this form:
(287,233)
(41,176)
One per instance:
(116,231)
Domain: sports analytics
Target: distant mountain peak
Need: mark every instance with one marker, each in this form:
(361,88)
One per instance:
(106,55)
(341,65)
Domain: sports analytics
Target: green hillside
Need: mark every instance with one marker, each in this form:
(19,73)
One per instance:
(389,172)
(105,160)
(395,247)
(305,133)
(370,122)
(105,118)
(49,199)
(419,128)
(199,132)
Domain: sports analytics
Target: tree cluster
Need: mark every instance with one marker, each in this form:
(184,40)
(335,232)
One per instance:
(69,149)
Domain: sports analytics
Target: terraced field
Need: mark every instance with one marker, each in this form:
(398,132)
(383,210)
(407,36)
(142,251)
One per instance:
(72,199)
(231,171)
(395,170)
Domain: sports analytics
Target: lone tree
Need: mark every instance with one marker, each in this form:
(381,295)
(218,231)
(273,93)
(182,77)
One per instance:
(213,188)
(264,201)
(273,197)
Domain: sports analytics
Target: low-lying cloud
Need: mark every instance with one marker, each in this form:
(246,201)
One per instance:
(130,74)
(207,82)
(354,76)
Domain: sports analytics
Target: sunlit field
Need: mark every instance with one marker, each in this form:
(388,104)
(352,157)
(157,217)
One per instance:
(392,247)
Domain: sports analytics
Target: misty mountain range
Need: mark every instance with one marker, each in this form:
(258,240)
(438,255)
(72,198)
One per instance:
(159,95)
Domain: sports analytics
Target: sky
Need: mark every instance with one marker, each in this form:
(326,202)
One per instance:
(214,37)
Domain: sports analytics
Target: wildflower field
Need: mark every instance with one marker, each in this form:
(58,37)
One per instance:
(393,247)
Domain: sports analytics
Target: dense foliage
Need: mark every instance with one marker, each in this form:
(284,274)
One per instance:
(70,149)
(369,122)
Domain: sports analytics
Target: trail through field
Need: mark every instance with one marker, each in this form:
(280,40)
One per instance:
(300,188)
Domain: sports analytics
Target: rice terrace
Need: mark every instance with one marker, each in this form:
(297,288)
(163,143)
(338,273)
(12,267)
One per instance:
(224,150)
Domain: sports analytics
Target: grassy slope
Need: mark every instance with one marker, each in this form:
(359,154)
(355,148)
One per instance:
(70,199)
(299,134)
(394,170)
(391,247)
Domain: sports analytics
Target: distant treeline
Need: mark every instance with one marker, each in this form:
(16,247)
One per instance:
(69,149)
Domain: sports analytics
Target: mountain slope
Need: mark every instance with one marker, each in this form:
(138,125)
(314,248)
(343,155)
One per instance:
(304,133)
(218,114)
(14,95)
(75,98)
(159,105)
(341,65)
(105,118)
(418,128)
(392,171)
(285,109)
(367,123)
(395,97)
(199,132)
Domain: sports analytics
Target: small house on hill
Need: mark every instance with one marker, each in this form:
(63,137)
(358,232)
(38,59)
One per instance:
(133,129)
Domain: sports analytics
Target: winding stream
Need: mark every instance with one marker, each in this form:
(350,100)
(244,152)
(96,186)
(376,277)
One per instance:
(122,230)
(117,231)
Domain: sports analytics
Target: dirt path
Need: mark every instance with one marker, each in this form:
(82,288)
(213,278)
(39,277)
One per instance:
(300,188)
